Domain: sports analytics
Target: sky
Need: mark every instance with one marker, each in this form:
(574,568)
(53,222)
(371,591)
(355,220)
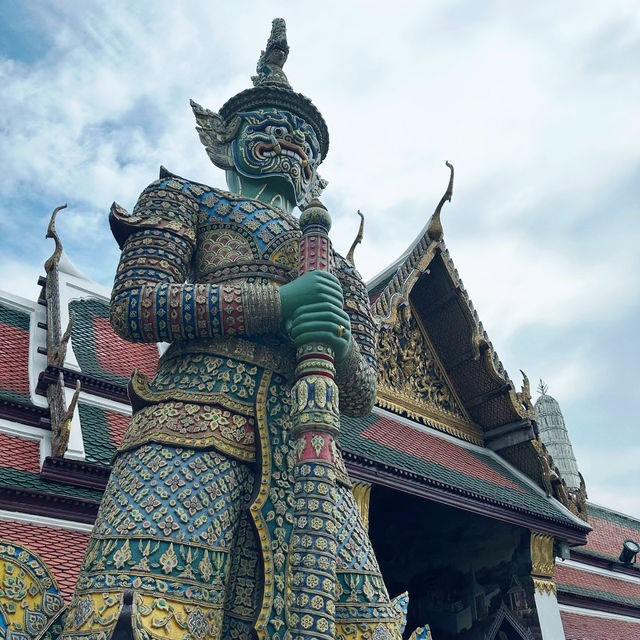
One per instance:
(535,103)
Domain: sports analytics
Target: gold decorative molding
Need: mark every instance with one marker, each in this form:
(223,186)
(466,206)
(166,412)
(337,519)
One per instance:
(523,399)
(542,558)
(429,415)
(361,493)
(542,563)
(545,586)
(395,296)
(555,485)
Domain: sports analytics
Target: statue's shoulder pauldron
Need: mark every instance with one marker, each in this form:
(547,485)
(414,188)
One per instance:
(170,204)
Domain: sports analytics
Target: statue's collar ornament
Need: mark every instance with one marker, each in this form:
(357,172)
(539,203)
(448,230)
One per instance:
(268,133)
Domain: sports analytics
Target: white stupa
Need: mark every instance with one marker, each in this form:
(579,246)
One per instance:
(554,435)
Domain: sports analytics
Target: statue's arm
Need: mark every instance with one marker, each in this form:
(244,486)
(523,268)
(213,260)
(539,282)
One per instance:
(356,374)
(152,300)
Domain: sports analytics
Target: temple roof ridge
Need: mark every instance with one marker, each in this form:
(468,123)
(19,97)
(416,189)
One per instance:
(396,280)
(390,291)
(423,289)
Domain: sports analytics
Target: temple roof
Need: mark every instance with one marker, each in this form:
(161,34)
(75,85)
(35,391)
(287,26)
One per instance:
(590,585)
(420,298)
(46,541)
(20,473)
(596,626)
(426,280)
(383,448)
(610,530)
(598,583)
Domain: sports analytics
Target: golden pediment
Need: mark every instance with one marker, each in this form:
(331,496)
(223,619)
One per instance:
(413,381)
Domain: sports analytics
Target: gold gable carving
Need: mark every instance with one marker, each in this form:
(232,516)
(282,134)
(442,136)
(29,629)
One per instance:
(555,485)
(413,382)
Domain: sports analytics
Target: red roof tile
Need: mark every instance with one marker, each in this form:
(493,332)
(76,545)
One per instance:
(120,357)
(433,449)
(607,537)
(564,575)
(117,425)
(579,627)
(61,549)
(14,359)
(18,453)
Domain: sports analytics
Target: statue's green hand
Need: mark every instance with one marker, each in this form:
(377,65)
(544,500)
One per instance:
(312,312)
(319,323)
(310,288)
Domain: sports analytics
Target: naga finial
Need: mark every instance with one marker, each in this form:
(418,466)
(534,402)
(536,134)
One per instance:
(358,239)
(272,59)
(542,388)
(52,233)
(434,230)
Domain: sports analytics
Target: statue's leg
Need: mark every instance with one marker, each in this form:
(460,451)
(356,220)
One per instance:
(363,607)
(162,545)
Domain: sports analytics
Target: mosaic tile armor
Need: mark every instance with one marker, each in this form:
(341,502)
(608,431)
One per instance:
(197,518)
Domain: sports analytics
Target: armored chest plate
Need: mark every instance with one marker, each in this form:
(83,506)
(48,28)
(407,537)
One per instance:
(240,238)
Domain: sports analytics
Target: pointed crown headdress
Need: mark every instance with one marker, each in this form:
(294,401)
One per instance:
(271,89)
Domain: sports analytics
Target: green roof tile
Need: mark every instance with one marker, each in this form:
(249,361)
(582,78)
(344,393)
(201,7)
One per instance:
(596,593)
(613,516)
(98,444)
(100,352)
(14,318)
(83,338)
(24,479)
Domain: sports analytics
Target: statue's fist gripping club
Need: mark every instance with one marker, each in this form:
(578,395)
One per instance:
(312,311)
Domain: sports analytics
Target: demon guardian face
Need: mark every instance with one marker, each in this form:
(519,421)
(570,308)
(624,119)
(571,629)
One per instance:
(277,144)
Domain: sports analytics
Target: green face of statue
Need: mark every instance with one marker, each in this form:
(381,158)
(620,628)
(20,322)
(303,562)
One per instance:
(279,146)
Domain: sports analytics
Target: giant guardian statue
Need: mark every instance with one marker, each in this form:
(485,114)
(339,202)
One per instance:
(229,512)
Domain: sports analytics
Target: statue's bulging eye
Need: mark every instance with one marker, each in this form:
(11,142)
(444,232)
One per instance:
(278,132)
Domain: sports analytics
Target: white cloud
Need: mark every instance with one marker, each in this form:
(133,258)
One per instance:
(612,476)
(540,287)
(20,277)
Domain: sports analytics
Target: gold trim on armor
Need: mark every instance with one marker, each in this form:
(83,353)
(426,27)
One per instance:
(143,395)
(256,506)
(192,425)
(239,349)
